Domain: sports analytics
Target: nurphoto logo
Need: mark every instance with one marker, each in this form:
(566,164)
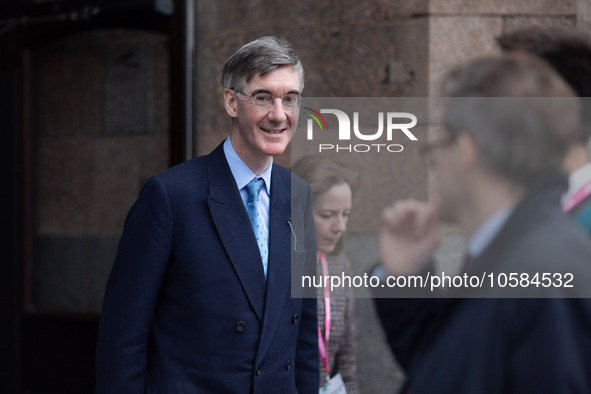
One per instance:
(393,124)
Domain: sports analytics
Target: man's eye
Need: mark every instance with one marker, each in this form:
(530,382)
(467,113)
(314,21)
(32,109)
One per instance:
(290,99)
(262,98)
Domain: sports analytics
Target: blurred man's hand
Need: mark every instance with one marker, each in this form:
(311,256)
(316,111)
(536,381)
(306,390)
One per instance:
(410,234)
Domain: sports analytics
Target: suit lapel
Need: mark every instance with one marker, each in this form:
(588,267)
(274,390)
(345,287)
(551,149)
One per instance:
(279,270)
(232,223)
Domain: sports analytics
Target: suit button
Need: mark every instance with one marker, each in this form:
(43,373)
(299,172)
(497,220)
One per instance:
(294,319)
(240,326)
(288,365)
(258,371)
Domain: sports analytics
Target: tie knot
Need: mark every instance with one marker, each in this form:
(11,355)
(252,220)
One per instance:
(254,188)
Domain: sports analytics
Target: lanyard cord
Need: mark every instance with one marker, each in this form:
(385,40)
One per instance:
(323,342)
(579,196)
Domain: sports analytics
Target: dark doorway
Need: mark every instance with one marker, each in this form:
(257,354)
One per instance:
(93,96)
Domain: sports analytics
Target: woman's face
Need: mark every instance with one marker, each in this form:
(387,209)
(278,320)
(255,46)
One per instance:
(331,212)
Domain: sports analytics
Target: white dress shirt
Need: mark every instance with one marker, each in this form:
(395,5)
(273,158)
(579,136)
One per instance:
(487,231)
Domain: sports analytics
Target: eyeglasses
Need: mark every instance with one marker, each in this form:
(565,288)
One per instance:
(264,101)
(427,148)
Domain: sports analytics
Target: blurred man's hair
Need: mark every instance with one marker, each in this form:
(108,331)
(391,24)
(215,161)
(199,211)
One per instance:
(568,50)
(520,113)
(261,56)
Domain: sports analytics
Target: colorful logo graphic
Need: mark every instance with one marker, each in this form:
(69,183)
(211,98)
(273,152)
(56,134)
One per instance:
(315,115)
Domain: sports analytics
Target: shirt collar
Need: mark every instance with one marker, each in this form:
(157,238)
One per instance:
(487,231)
(242,174)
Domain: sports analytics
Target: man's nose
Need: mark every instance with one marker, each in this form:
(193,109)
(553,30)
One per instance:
(277,113)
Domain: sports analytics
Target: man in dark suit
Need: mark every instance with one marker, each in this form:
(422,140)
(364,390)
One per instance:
(198,300)
(497,160)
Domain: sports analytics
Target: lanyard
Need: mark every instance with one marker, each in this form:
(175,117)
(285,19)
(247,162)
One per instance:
(323,342)
(576,198)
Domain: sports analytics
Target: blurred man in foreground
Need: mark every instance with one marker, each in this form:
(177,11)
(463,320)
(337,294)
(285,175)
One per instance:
(498,163)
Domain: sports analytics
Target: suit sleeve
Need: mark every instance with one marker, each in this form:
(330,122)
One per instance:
(131,293)
(405,322)
(308,370)
(563,362)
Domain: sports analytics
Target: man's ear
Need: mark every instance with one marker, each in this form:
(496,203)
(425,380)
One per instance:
(468,151)
(230,102)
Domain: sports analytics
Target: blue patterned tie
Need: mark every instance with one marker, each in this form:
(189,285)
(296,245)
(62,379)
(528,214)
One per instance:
(252,208)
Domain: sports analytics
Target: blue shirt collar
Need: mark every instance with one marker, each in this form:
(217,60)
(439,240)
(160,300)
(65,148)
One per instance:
(242,174)
(487,231)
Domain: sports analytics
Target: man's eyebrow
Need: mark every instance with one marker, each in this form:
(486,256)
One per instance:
(258,91)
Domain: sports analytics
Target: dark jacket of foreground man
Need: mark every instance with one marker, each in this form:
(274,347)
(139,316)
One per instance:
(505,345)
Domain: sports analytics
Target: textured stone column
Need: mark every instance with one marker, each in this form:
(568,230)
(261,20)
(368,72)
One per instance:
(584,14)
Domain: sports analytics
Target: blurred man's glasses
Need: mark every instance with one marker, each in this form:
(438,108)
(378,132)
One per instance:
(428,147)
(265,101)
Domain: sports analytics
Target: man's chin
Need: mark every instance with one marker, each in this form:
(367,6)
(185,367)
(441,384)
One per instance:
(275,149)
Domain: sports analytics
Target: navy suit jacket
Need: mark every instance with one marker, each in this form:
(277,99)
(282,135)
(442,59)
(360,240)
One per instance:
(505,345)
(186,307)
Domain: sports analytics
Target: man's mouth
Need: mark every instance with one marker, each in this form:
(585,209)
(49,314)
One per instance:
(273,131)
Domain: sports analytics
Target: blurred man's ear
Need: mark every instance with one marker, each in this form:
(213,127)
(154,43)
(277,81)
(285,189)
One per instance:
(468,153)
(230,102)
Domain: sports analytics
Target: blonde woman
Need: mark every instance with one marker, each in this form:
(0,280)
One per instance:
(333,184)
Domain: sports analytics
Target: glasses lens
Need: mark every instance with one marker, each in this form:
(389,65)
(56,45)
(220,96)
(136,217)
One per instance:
(290,101)
(263,100)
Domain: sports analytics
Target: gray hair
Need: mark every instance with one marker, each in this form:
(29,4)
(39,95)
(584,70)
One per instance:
(263,56)
(521,114)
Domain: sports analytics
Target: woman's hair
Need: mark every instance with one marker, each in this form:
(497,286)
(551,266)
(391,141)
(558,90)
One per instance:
(322,173)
